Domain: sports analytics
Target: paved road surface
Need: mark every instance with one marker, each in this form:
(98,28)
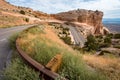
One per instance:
(5,50)
(77,36)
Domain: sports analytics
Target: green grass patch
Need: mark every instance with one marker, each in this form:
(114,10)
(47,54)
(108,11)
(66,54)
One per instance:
(12,40)
(72,67)
(18,70)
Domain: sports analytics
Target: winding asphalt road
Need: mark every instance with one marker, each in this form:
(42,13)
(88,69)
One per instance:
(77,36)
(5,50)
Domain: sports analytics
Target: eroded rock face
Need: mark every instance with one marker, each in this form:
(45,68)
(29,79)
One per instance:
(92,18)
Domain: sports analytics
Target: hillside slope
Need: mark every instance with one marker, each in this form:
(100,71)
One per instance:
(11,15)
(40,46)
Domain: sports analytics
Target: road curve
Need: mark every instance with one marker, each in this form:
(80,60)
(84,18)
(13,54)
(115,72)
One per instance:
(5,50)
(77,36)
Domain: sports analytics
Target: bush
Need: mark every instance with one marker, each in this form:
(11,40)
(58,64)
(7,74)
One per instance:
(99,36)
(67,40)
(27,19)
(117,36)
(107,40)
(109,35)
(91,43)
(22,12)
(66,29)
(117,46)
(103,45)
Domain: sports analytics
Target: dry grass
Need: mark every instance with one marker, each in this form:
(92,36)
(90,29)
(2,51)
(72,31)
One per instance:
(44,46)
(108,66)
(51,35)
(9,20)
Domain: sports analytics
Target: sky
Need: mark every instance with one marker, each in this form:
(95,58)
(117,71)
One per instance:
(111,8)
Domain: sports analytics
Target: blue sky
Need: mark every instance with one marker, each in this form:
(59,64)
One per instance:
(111,8)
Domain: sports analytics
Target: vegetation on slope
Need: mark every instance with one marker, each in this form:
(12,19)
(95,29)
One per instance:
(42,45)
(108,66)
(18,70)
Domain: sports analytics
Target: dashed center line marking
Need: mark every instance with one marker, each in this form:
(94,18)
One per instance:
(3,39)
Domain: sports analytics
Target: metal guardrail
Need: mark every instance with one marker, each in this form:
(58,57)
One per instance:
(44,73)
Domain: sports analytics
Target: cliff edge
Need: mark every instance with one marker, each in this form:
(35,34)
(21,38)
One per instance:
(88,17)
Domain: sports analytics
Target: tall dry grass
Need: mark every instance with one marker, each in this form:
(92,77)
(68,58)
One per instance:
(43,45)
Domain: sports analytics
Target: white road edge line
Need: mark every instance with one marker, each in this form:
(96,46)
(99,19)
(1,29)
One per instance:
(8,60)
(12,30)
(3,39)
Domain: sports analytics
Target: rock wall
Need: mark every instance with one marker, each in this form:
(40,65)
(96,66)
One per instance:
(92,18)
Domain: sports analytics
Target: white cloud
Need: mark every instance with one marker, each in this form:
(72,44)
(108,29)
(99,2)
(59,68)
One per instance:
(111,8)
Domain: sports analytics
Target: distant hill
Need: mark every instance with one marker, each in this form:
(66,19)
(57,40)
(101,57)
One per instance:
(113,24)
(11,15)
(111,20)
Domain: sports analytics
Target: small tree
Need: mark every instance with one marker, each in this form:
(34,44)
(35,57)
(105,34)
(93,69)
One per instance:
(117,36)
(91,43)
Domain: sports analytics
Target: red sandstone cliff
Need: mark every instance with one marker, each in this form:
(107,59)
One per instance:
(89,17)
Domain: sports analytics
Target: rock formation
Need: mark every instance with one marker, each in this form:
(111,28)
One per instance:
(89,17)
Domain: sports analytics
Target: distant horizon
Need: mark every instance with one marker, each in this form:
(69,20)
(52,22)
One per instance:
(112,18)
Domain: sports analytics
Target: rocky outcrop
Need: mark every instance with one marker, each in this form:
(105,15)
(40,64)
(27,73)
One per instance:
(92,18)
(114,51)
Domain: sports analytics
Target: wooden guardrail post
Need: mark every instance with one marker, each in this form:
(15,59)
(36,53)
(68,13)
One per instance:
(54,63)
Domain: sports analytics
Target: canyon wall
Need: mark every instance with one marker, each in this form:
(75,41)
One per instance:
(89,17)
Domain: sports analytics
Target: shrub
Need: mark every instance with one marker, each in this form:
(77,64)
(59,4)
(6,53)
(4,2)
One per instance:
(117,46)
(109,35)
(67,40)
(107,40)
(99,36)
(91,43)
(66,29)
(22,12)
(117,36)
(27,19)
(103,45)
